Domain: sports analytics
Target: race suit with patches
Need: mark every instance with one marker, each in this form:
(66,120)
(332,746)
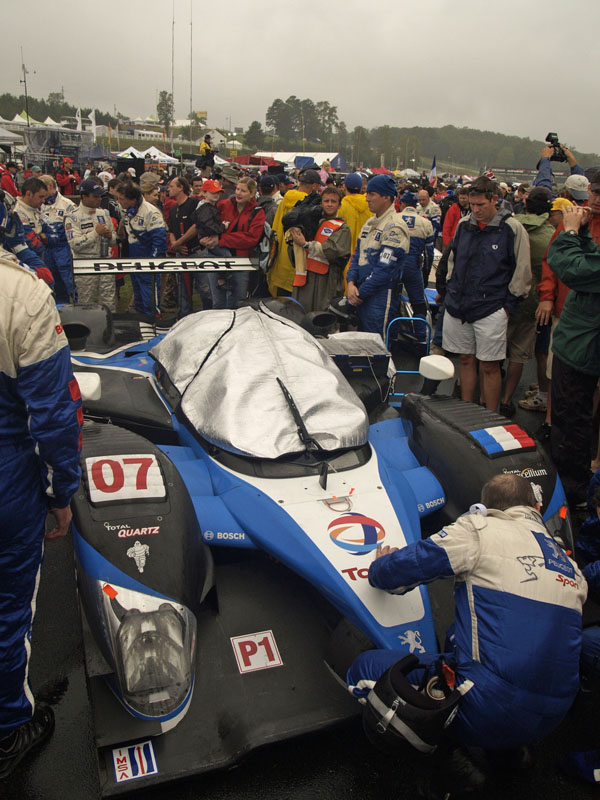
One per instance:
(86,242)
(40,424)
(376,267)
(14,241)
(517,636)
(147,237)
(31,219)
(58,253)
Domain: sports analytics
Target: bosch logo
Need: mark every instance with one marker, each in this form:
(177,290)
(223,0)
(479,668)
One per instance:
(223,535)
(439,501)
(356,533)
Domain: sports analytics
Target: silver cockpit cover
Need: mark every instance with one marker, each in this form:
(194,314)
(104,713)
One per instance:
(225,365)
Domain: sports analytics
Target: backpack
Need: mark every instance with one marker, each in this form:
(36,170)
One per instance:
(261,252)
(445,204)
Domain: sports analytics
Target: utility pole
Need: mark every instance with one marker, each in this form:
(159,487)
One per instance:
(191,72)
(24,82)
(173,69)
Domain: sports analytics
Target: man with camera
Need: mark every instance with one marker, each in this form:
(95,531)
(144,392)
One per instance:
(554,151)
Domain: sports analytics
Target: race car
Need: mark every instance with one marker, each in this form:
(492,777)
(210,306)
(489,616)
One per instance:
(235,488)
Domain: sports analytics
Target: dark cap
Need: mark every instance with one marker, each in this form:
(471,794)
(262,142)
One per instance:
(410,198)
(310,176)
(539,200)
(595,181)
(90,187)
(353,182)
(268,182)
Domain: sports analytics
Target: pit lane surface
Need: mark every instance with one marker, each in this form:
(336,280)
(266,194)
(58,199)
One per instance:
(337,764)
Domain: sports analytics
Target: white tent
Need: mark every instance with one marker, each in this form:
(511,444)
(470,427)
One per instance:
(154,154)
(6,137)
(50,121)
(131,152)
(234,144)
(409,173)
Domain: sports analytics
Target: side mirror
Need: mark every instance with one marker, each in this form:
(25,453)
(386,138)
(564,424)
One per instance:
(436,368)
(90,385)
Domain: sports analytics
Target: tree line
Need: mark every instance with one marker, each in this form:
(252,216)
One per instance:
(295,124)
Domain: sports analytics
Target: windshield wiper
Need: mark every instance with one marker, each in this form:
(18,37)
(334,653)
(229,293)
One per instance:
(305,437)
(307,440)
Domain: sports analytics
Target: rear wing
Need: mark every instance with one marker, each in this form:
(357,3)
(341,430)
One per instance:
(156,266)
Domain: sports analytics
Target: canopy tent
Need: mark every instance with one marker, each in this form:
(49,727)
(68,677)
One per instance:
(50,121)
(335,159)
(21,119)
(154,154)
(408,173)
(130,152)
(381,171)
(234,144)
(6,137)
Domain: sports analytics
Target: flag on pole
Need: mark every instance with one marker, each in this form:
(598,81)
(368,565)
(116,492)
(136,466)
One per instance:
(433,174)
(92,119)
(78,118)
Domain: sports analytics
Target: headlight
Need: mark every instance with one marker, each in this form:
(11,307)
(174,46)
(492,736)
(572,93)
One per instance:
(154,658)
(149,644)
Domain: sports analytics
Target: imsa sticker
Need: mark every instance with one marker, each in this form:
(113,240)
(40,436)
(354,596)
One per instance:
(126,477)
(136,761)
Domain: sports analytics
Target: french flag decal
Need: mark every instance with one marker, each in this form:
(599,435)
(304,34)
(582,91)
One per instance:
(502,439)
(136,761)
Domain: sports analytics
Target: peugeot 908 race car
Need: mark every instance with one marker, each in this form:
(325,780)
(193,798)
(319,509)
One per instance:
(234,491)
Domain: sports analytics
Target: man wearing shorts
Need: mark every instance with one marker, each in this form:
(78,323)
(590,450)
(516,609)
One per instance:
(489,272)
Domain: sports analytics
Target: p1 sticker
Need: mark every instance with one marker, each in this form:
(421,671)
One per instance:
(256,651)
(124,477)
(136,761)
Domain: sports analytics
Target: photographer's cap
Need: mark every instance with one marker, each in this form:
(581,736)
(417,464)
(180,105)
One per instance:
(595,182)
(578,186)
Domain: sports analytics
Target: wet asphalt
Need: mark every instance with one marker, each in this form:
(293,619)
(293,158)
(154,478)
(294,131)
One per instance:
(339,763)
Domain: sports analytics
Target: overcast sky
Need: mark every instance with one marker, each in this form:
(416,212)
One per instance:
(515,66)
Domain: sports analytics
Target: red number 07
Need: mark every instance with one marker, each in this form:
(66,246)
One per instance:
(118,476)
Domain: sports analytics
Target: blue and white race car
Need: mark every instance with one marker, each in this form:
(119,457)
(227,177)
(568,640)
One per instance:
(235,488)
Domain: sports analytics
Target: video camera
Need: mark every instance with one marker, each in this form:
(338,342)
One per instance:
(559,153)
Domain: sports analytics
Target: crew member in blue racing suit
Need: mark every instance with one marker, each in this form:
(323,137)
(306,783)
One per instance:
(12,241)
(378,259)
(421,234)
(147,237)
(40,428)
(57,256)
(518,600)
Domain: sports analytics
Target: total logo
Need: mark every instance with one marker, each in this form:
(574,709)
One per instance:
(356,533)
(125,531)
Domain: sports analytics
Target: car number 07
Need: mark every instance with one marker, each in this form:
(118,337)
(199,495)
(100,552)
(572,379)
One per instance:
(124,477)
